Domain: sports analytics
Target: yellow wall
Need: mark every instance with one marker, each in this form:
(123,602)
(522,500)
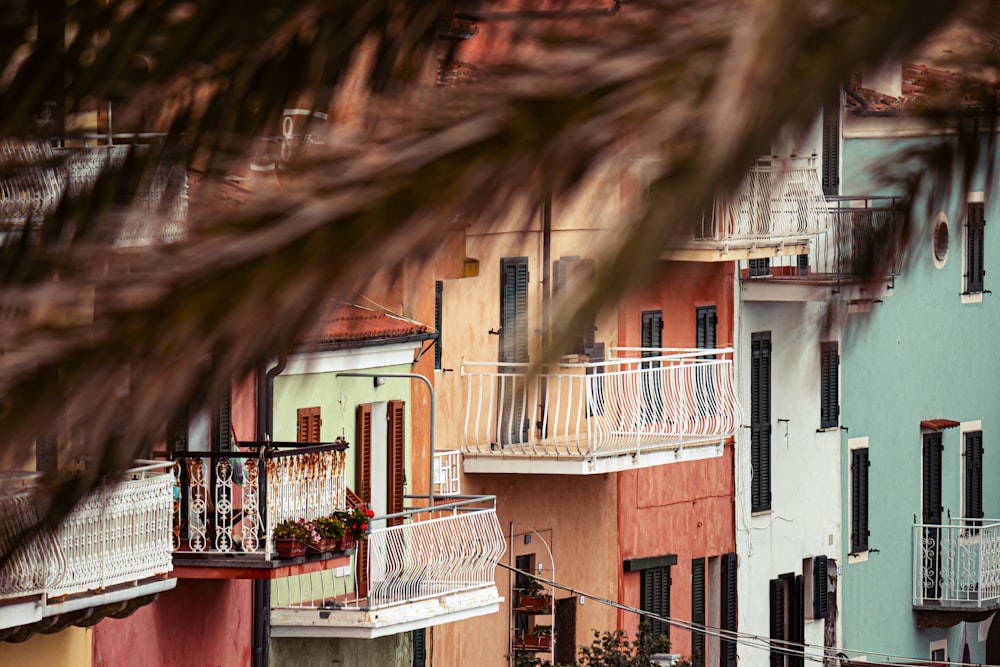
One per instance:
(69,648)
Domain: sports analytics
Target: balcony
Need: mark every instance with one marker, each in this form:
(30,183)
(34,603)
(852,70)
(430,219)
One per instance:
(956,571)
(48,173)
(639,408)
(228,503)
(110,556)
(423,567)
(864,238)
(776,209)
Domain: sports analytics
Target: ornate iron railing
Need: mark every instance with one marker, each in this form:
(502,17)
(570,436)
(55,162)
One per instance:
(116,534)
(230,502)
(47,173)
(432,552)
(862,239)
(957,565)
(447,468)
(638,399)
(778,199)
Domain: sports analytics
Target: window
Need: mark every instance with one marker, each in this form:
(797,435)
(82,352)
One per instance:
(973,464)
(705,326)
(829,411)
(831,146)
(512,391)
(939,242)
(654,588)
(820,588)
(975,227)
(859,500)
(760,267)
(698,611)
(652,386)
(727,609)
(569,271)
(309,422)
(419,639)
(760,421)
(438,316)
(221,435)
(787,594)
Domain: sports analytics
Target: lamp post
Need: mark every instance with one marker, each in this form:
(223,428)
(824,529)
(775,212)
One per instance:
(552,563)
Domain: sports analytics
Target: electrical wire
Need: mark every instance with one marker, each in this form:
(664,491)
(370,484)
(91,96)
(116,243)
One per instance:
(778,646)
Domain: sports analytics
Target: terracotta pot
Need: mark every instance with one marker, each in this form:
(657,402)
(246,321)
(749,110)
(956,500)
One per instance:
(325,544)
(346,542)
(534,603)
(289,547)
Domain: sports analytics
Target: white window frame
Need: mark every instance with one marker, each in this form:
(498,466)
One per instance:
(970,198)
(963,428)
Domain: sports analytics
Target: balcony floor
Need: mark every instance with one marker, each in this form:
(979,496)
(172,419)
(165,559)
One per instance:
(246,566)
(369,624)
(522,461)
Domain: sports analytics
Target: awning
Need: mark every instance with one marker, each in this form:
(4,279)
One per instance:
(938,424)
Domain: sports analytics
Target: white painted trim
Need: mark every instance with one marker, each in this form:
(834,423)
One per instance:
(852,444)
(939,219)
(936,646)
(351,359)
(970,198)
(578,465)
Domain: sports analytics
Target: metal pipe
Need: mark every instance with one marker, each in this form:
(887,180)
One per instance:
(430,388)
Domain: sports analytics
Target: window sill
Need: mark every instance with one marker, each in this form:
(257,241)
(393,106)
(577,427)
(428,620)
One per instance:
(761,512)
(828,429)
(860,558)
(974,297)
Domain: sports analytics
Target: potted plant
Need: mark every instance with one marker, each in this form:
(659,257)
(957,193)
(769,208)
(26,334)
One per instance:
(356,525)
(539,638)
(532,600)
(331,530)
(291,537)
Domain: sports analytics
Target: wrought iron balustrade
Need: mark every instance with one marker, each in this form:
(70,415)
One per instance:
(862,239)
(639,398)
(118,533)
(432,552)
(230,502)
(958,564)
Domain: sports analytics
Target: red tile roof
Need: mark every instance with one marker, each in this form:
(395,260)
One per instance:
(921,86)
(349,323)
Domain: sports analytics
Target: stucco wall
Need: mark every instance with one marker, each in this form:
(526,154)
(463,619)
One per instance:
(69,648)
(200,623)
(391,651)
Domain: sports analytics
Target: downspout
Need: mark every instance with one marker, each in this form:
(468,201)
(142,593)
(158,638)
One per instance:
(262,587)
(546,291)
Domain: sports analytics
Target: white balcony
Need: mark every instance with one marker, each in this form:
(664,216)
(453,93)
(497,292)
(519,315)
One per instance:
(956,568)
(110,555)
(447,466)
(640,408)
(775,210)
(435,566)
(228,504)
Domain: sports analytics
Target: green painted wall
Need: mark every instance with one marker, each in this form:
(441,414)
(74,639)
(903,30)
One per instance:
(920,354)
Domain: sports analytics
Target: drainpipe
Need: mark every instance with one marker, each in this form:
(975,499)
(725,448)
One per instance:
(546,290)
(430,388)
(262,588)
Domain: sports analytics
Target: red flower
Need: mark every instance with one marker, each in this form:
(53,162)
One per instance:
(369,513)
(364,526)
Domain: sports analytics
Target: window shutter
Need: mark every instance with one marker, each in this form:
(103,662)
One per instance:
(363,453)
(831,146)
(567,270)
(656,597)
(821,603)
(222,424)
(760,267)
(438,316)
(797,619)
(727,609)
(397,459)
(760,421)
(802,264)
(859,500)
(514,309)
(974,475)
(706,323)
(829,385)
(698,611)
(932,504)
(419,638)
(309,423)
(652,331)
(777,591)
(975,227)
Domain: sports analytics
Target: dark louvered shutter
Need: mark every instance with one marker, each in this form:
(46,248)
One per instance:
(438,317)
(705,328)
(859,500)
(567,271)
(652,331)
(829,385)
(652,386)
(727,609)
(760,421)
(698,611)
(796,620)
(975,228)
(777,592)
(419,638)
(821,603)
(514,309)
(802,264)
(831,146)
(397,459)
(760,267)
(932,502)
(974,475)
(222,421)
(656,597)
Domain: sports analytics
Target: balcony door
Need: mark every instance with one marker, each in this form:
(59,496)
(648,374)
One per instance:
(512,389)
(932,514)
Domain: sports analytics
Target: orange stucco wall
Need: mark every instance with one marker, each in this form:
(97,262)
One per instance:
(200,623)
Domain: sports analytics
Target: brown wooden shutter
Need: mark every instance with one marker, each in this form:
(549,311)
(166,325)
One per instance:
(363,454)
(397,459)
(309,421)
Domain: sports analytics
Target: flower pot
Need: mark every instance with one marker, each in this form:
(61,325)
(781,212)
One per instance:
(325,544)
(534,604)
(535,642)
(289,547)
(346,542)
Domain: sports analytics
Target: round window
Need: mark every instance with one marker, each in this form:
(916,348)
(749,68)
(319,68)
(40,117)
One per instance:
(940,240)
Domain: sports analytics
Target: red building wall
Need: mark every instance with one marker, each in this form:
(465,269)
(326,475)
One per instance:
(200,623)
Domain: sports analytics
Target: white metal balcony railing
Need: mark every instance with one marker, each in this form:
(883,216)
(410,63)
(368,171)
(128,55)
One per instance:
(779,199)
(450,548)
(157,214)
(957,565)
(229,503)
(118,533)
(640,399)
(447,466)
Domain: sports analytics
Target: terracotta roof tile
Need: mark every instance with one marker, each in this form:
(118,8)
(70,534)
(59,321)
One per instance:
(349,322)
(922,86)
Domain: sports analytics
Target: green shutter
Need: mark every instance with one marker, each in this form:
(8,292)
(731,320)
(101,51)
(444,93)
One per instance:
(829,385)
(514,309)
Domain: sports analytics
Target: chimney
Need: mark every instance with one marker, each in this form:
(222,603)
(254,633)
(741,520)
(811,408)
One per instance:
(886,79)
